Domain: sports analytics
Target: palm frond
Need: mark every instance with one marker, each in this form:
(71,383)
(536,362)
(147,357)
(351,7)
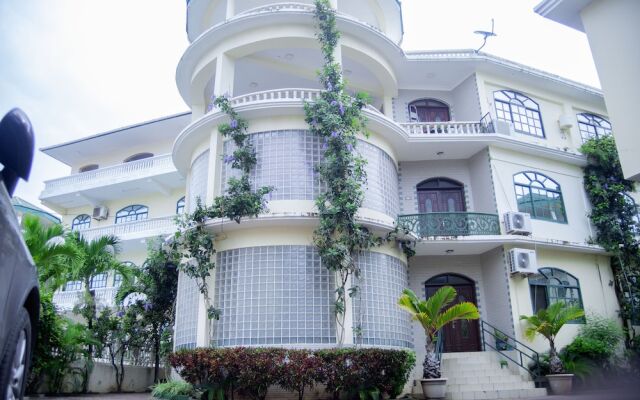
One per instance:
(465,310)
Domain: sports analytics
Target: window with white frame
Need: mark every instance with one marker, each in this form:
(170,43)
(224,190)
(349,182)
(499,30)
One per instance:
(540,196)
(180,206)
(592,126)
(520,110)
(98,281)
(132,213)
(553,285)
(81,222)
(72,286)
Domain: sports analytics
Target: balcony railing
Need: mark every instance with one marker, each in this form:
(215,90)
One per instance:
(269,8)
(441,224)
(105,297)
(134,229)
(146,167)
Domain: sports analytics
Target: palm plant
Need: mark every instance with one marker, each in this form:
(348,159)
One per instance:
(52,254)
(548,322)
(432,316)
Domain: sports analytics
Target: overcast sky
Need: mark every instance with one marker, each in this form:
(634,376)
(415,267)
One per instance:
(80,67)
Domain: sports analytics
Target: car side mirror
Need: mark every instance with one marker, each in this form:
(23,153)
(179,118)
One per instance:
(16,148)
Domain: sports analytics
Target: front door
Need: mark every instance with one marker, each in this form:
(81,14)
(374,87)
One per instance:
(458,336)
(433,114)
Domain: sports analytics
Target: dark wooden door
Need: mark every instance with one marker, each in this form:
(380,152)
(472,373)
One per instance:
(433,114)
(460,336)
(441,201)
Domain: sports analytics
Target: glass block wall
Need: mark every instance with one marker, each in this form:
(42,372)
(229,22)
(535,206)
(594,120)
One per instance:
(186,325)
(381,283)
(287,161)
(273,295)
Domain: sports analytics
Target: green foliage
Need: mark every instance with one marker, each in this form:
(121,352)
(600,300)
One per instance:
(548,322)
(433,315)
(192,244)
(337,118)
(614,218)
(354,373)
(173,390)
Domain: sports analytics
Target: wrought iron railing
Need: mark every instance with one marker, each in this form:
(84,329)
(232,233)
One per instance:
(450,224)
(486,124)
(509,348)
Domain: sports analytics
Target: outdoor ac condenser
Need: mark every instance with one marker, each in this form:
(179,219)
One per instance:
(100,213)
(523,261)
(517,223)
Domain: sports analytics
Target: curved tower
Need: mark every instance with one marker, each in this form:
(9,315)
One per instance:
(269,282)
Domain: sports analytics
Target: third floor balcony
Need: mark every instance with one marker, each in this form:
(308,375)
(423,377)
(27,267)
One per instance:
(146,176)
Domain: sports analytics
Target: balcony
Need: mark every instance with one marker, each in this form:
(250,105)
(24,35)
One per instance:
(450,224)
(135,229)
(146,176)
(105,297)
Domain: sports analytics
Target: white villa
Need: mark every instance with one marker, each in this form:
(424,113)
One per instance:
(478,154)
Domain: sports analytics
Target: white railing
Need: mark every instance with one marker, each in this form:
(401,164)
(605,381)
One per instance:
(105,297)
(279,7)
(109,175)
(443,128)
(279,95)
(134,229)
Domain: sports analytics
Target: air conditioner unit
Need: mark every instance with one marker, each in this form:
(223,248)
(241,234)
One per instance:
(100,213)
(517,223)
(523,261)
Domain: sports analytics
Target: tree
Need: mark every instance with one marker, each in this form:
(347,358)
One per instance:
(157,280)
(97,256)
(548,322)
(432,316)
(51,252)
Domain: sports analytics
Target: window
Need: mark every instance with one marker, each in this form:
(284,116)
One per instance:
(81,222)
(180,206)
(72,286)
(117,280)
(520,110)
(593,127)
(138,156)
(553,285)
(633,207)
(132,213)
(98,281)
(428,110)
(88,168)
(539,196)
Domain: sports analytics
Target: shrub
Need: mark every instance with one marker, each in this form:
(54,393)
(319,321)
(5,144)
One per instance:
(363,373)
(173,390)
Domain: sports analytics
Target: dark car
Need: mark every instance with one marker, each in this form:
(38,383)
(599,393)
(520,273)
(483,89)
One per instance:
(19,295)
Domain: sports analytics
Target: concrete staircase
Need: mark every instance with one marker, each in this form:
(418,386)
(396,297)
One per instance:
(478,375)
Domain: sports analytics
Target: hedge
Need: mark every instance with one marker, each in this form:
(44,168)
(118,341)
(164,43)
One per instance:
(345,372)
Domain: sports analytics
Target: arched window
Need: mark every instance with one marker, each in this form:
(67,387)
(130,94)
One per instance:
(72,286)
(636,212)
(180,206)
(88,168)
(138,156)
(440,195)
(553,285)
(520,110)
(593,127)
(132,213)
(539,196)
(98,281)
(428,110)
(81,222)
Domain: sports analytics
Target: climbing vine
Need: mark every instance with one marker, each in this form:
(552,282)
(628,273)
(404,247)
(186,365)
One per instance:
(337,117)
(193,243)
(615,218)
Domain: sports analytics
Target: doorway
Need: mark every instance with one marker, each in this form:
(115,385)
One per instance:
(462,335)
(440,195)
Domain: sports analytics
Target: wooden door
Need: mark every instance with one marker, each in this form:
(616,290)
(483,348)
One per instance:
(441,201)
(433,114)
(460,336)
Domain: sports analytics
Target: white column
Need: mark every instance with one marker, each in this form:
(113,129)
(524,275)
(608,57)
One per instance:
(334,4)
(225,72)
(231,9)
(388,106)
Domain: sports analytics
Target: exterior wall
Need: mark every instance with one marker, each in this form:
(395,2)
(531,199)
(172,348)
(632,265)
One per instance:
(598,295)
(482,185)
(552,107)
(157,148)
(506,163)
(466,101)
(611,26)
(497,301)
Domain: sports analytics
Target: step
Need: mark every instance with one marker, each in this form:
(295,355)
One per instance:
(474,387)
(495,371)
(486,379)
(491,394)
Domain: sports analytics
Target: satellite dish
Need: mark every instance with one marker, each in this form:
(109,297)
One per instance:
(485,35)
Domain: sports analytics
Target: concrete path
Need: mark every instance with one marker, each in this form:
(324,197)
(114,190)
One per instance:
(110,396)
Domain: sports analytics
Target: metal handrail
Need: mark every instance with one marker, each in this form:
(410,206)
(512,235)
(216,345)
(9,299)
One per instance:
(438,224)
(534,356)
(486,124)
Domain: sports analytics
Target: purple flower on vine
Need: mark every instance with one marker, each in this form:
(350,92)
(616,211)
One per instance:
(325,146)
(148,306)
(341,108)
(329,86)
(233,124)
(334,134)
(350,147)
(120,314)
(229,159)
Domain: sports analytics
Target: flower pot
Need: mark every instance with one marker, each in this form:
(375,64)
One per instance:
(560,383)
(434,388)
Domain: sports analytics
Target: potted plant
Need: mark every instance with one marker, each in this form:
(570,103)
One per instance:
(502,340)
(432,316)
(548,322)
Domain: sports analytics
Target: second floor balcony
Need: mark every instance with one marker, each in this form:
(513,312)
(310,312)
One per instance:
(67,300)
(134,230)
(146,176)
(450,224)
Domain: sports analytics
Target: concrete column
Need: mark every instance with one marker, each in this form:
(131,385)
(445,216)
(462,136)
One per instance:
(334,4)
(231,9)
(225,72)
(388,106)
